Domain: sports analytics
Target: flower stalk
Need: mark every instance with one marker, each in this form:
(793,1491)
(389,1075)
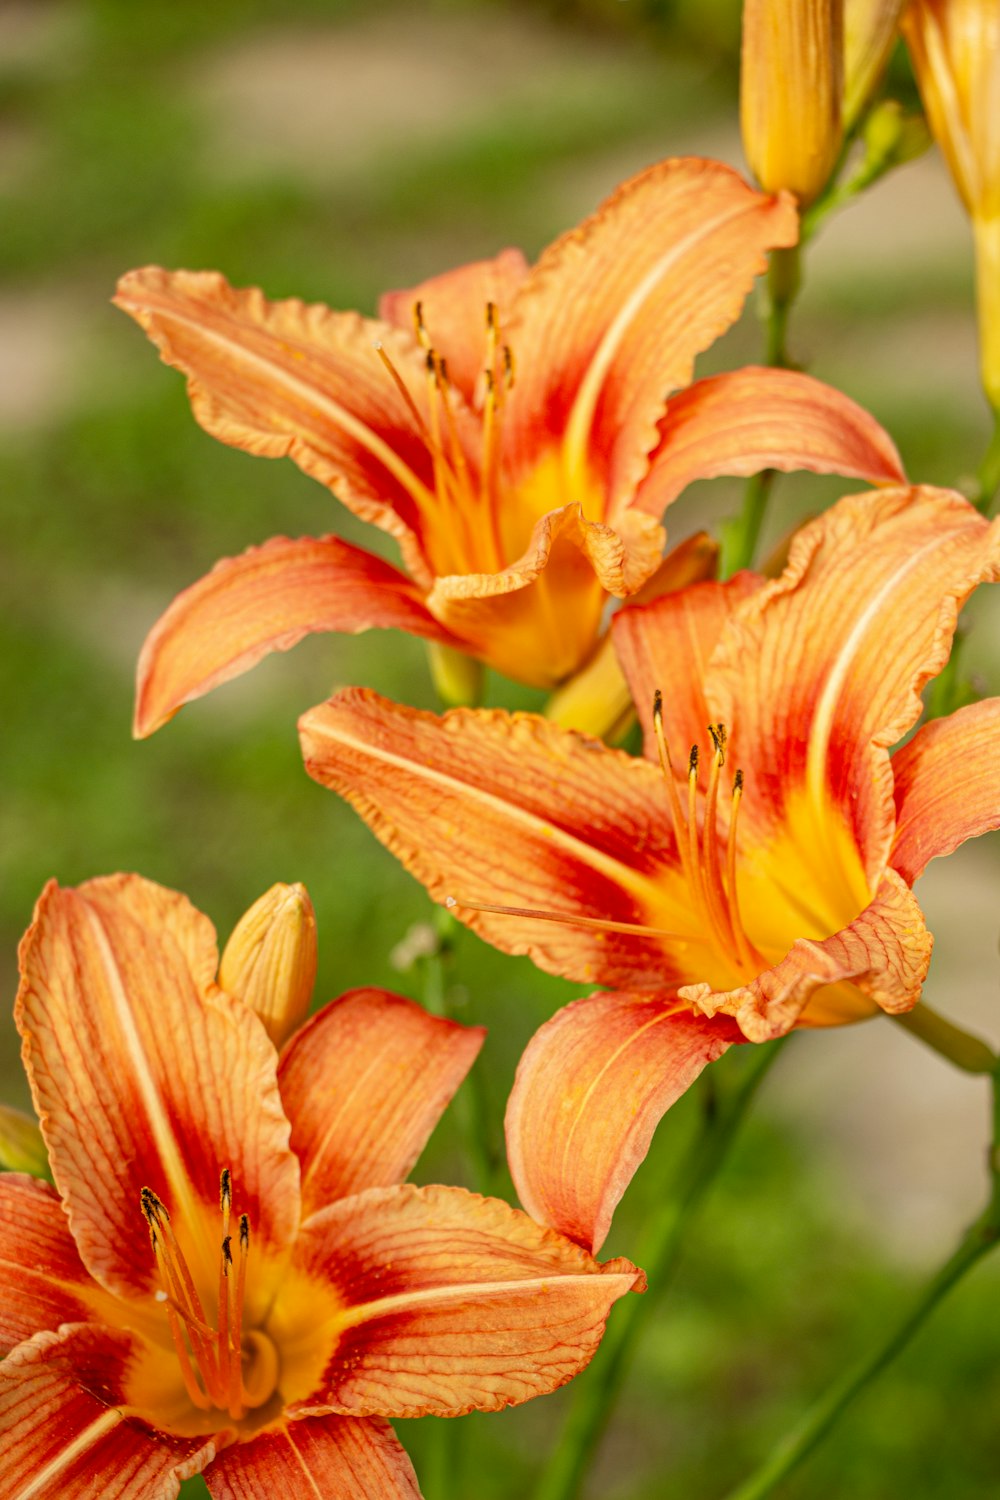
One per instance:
(981,1236)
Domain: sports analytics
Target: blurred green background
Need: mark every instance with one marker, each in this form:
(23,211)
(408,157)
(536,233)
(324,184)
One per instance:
(329,150)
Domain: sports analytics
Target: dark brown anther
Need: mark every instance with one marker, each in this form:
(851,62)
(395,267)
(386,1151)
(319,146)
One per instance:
(737,783)
(657,706)
(244,1233)
(508,366)
(225,1189)
(693,761)
(227,1254)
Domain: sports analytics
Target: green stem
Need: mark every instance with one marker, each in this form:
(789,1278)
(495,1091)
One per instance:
(740,536)
(469,1106)
(977,1241)
(595,1393)
(967,1052)
(988,474)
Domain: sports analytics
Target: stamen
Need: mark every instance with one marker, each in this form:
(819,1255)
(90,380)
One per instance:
(401,387)
(508,367)
(236,1392)
(572,919)
(418,325)
(746,952)
(714,890)
(674,801)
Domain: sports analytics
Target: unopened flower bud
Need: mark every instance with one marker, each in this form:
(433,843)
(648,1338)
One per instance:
(955,46)
(21,1146)
(270,959)
(791,85)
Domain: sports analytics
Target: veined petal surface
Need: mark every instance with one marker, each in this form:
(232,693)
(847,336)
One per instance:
(338,1458)
(266,600)
(283,379)
(43,1281)
(760,418)
(452,1302)
(140,1080)
(363,1084)
(946,786)
(668,645)
(65,1433)
(591,1088)
(611,318)
(483,806)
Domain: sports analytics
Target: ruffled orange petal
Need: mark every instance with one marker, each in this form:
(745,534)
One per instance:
(453,310)
(43,1281)
(591,1088)
(537,620)
(882,957)
(267,600)
(452,1302)
(490,807)
(610,320)
(140,1080)
(364,1083)
(667,645)
(946,786)
(283,379)
(341,1458)
(756,418)
(822,670)
(66,1428)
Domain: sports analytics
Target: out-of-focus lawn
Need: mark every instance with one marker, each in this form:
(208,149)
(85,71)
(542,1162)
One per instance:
(157,132)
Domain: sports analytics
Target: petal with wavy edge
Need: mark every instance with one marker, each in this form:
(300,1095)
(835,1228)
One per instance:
(340,1458)
(610,320)
(451,1302)
(64,1432)
(43,1281)
(757,418)
(140,1080)
(453,307)
(667,645)
(884,954)
(538,619)
(946,786)
(266,600)
(591,1088)
(363,1084)
(483,806)
(283,379)
(820,672)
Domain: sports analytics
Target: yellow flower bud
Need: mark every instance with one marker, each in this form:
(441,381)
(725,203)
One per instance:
(21,1146)
(955,46)
(791,86)
(270,959)
(870,31)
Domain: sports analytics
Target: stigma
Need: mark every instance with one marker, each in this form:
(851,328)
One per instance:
(224,1366)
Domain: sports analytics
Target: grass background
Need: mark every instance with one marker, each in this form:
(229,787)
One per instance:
(329,150)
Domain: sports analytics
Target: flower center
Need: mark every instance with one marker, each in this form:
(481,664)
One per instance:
(462,513)
(224,1367)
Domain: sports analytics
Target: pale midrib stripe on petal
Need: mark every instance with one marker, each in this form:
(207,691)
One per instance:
(822,721)
(89,1438)
(166,1141)
(588,393)
(470,1291)
(326,405)
(624,1046)
(302,1465)
(549,834)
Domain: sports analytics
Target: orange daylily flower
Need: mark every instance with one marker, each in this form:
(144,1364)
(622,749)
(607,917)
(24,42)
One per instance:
(245,1286)
(724,894)
(519,431)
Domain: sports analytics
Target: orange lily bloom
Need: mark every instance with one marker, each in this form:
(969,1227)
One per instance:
(509,426)
(245,1286)
(722,895)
